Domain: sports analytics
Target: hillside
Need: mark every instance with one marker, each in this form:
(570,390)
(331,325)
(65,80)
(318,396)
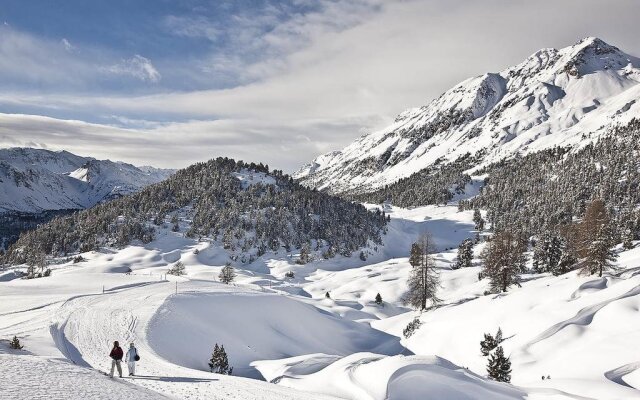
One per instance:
(555,98)
(246,209)
(286,331)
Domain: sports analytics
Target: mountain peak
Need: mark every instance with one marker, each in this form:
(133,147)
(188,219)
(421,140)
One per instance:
(594,54)
(553,98)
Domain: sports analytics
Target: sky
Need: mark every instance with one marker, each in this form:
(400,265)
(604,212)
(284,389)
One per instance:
(172,82)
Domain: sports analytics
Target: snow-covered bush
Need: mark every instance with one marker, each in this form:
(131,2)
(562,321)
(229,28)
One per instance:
(411,327)
(15,343)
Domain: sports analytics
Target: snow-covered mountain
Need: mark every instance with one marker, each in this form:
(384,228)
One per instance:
(553,98)
(35,180)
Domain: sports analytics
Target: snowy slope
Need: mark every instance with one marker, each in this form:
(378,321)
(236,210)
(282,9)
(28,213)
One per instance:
(553,98)
(34,180)
(582,331)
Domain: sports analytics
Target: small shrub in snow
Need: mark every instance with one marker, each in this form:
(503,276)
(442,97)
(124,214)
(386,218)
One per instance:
(178,269)
(327,295)
(499,366)
(378,299)
(411,327)
(196,252)
(15,343)
(289,275)
(219,362)
(78,259)
(47,272)
(227,275)
(363,257)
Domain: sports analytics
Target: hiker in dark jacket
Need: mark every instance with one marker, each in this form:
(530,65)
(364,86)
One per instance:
(116,358)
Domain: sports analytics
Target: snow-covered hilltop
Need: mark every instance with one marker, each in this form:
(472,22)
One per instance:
(553,98)
(35,180)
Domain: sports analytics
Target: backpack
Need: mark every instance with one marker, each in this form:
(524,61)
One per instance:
(136,357)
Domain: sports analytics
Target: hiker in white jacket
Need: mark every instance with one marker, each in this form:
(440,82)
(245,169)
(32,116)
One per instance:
(131,358)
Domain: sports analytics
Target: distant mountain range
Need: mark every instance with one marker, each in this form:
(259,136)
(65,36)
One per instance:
(37,180)
(566,98)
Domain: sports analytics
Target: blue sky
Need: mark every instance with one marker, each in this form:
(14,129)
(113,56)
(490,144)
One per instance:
(273,81)
(196,44)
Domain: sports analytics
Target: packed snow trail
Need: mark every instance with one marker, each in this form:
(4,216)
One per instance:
(29,377)
(85,327)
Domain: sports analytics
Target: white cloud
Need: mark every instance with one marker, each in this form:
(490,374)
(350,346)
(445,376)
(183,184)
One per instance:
(324,76)
(137,67)
(67,45)
(178,144)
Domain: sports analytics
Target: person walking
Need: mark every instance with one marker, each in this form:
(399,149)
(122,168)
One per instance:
(131,358)
(116,358)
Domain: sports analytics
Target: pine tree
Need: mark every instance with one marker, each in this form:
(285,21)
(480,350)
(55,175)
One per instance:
(214,360)
(305,254)
(378,299)
(15,343)
(177,269)
(490,342)
(423,280)
(504,261)
(219,362)
(596,239)
(465,254)
(478,220)
(499,366)
(227,274)
(600,256)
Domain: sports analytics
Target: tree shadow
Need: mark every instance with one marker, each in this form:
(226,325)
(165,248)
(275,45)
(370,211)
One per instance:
(180,379)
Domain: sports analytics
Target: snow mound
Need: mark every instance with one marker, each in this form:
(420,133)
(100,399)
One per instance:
(255,326)
(374,376)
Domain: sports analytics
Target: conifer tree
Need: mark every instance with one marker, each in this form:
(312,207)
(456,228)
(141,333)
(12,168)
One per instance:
(423,280)
(600,256)
(305,254)
(499,366)
(219,362)
(490,342)
(478,220)
(378,299)
(15,343)
(465,254)
(227,274)
(504,261)
(596,239)
(177,269)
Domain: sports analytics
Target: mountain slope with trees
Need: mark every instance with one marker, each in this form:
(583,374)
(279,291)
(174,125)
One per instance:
(246,208)
(555,98)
